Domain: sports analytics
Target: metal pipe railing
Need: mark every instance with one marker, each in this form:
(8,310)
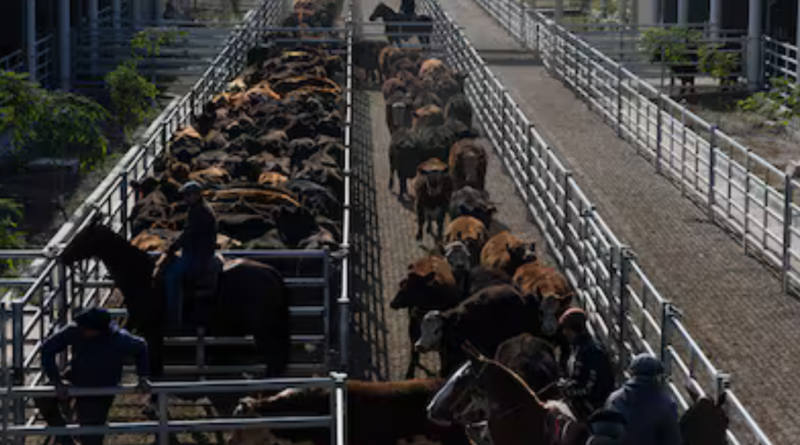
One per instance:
(627,302)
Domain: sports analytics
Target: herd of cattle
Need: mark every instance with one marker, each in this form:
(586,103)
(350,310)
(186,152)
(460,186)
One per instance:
(269,154)
(456,294)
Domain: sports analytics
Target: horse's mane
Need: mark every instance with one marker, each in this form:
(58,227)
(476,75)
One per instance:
(471,350)
(561,407)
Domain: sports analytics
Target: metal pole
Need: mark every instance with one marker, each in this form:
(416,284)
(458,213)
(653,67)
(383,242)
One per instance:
(623,11)
(30,38)
(715,18)
(163,419)
(667,314)
(18,358)
(94,31)
(123,208)
(158,11)
(683,12)
(116,13)
(788,192)
(712,160)
(64,43)
(136,12)
(622,297)
(754,45)
(559,11)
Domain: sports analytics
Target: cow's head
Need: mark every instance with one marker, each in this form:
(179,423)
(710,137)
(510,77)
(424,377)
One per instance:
(249,407)
(458,255)
(706,421)
(522,253)
(431,332)
(410,288)
(551,307)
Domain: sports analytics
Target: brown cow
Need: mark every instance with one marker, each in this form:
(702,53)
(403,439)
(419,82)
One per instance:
(433,187)
(428,116)
(506,252)
(468,164)
(550,287)
(469,231)
(429,285)
(374,411)
(210,176)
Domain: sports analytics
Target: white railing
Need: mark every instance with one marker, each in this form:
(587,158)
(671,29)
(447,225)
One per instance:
(780,59)
(625,309)
(741,190)
(51,291)
(162,427)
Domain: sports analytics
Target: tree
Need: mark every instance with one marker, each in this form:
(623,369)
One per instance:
(10,236)
(51,123)
(132,96)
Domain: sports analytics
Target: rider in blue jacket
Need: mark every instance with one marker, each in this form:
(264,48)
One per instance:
(650,412)
(99,349)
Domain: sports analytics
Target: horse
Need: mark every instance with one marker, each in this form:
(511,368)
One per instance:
(486,390)
(418,25)
(251,298)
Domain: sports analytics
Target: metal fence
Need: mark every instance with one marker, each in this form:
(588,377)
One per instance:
(742,191)
(44,298)
(780,59)
(625,309)
(162,427)
(17,61)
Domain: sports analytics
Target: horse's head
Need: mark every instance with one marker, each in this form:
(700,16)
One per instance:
(462,399)
(88,241)
(705,422)
(380,12)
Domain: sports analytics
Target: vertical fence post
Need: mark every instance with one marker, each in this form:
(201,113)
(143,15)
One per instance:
(163,419)
(619,100)
(326,322)
(712,161)
(123,207)
(722,382)
(746,220)
(18,358)
(4,368)
(339,409)
(565,222)
(683,147)
(623,268)
(659,132)
(668,313)
(788,193)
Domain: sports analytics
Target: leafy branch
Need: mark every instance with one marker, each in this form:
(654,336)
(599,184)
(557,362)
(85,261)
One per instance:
(51,123)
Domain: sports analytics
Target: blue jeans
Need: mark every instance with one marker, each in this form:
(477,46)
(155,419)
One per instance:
(176,273)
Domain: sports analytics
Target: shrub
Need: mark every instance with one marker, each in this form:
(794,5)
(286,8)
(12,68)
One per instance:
(10,236)
(131,95)
(676,44)
(51,123)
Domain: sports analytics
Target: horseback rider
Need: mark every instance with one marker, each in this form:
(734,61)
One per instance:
(589,372)
(197,244)
(644,401)
(99,350)
(409,9)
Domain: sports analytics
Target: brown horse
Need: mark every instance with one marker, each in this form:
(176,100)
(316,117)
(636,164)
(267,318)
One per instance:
(484,389)
(252,298)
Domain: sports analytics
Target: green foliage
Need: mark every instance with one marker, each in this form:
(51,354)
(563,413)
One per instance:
(131,96)
(781,103)
(716,62)
(148,42)
(51,123)
(676,44)
(10,236)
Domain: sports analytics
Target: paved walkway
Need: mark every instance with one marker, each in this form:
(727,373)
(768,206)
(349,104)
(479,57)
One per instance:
(733,305)
(384,231)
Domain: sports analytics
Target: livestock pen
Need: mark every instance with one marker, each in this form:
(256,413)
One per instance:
(48,296)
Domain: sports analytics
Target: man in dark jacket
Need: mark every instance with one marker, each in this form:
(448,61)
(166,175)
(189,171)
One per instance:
(409,9)
(589,374)
(197,244)
(606,428)
(646,404)
(99,348)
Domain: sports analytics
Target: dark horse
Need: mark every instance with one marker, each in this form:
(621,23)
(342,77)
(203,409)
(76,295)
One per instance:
(416,25)
(486,390)
(252,298)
